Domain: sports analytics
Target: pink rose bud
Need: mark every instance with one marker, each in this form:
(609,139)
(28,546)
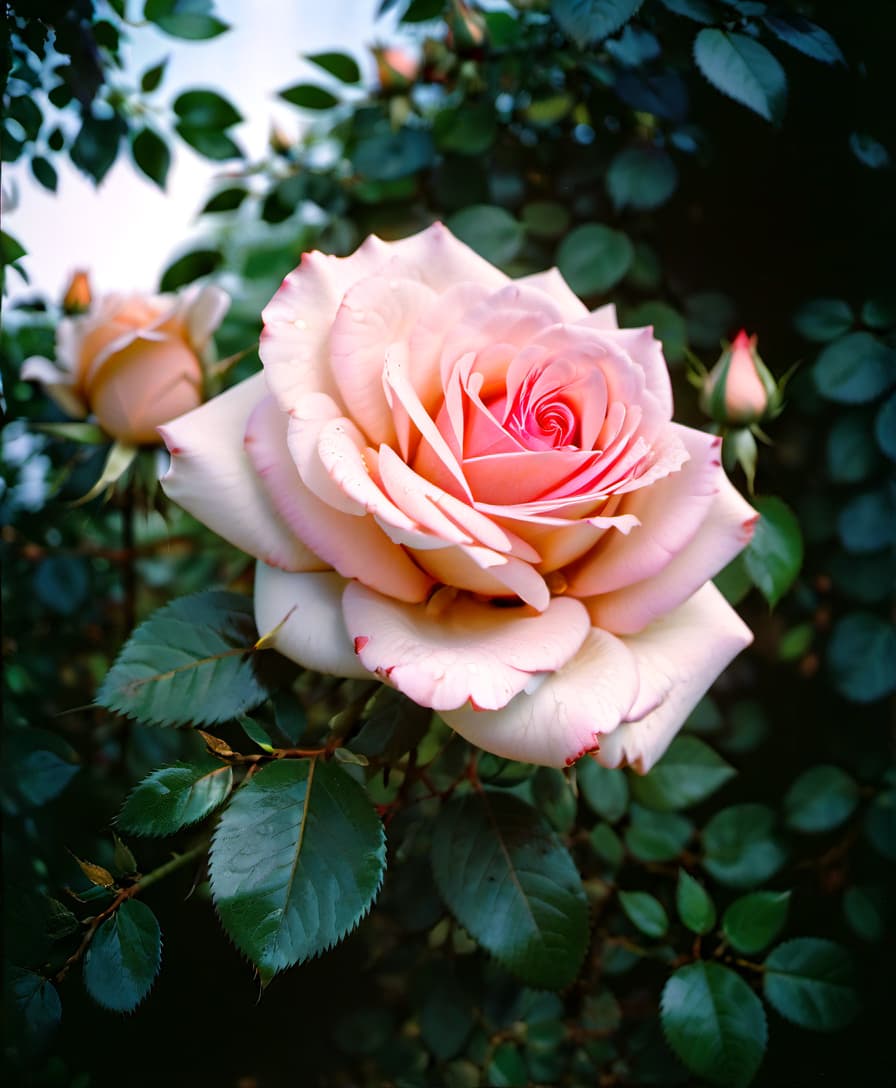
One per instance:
(78,294)
(739,388)
(134,361)
(396,68)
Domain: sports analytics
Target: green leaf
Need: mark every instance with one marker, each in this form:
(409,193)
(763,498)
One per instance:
(868,151)
(880,824)
(689,772)
(865,912)
(491,231)
(641,178)
(227,200)
(469,130)
(11,249)
(862,657)
(753,921)
(174,797)
(506,1068)
(96,146)
(35,1002)
(806,37)
(394,155)
(774,556)
(187,19)
(699,10)
(545,219)
(821,799)
(151,154)
(340,65)
(512,885)
(554,798)
(695,907)
(152,77)
(605,790)
(744,70)
(124,957)
(645,912)
(256,732)
(824,319)
(297,859)
(714,1023)
(446,1017)
(202,108)
(307,96)
(37,764)
(810,982)
(191,266)
(885,427)
(394,726)
(607,845)
(867,523)
(851,452)
(45,173)
(587,21)
(209,142)
(593,258)
(654,836)
(190,662)
(855,369)
(740,848)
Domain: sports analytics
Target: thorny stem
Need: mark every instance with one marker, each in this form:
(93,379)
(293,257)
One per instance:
(140,885)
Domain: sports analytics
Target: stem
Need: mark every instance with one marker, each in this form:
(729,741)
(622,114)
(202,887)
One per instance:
(177,862)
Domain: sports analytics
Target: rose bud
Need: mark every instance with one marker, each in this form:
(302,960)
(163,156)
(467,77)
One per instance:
(134,361)
(472,489)
(739,389)
(78,294)
(466,28)
(396,69)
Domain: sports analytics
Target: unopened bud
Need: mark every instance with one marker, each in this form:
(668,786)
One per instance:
(396,69)
(466,27)
(739,389)
(78,294)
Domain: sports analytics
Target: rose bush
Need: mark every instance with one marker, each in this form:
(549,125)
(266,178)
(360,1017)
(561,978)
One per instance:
(134,361)
(472,489)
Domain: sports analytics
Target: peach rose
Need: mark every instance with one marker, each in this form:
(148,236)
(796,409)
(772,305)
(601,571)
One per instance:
(134,361)
(472,489)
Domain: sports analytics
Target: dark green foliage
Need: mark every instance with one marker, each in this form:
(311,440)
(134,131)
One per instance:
(124,957)
(173,797)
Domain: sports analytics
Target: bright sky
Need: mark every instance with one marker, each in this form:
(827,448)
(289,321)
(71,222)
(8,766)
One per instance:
(127,231)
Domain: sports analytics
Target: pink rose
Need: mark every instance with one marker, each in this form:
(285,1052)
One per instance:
(472,489)
(134,361)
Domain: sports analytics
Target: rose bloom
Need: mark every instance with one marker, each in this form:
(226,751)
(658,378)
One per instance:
(134,361)
(471,488)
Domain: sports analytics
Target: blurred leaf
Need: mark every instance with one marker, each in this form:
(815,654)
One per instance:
(340,65)
(10,248)
(714,1023)
(880,823)
(204,108)
(124,957)
(96,146)
(187,19)
(468,130)
(491,231)
(190,662)
(740,848)
(865,912)
(506,1068)
(588,21)
(689,772)
(821,799)
(654,836)
(885,427)
(774,556)
(554,798)
(862,657)
(545,219)
(446,1017)
(152,77)
(868,151)
(394,155)
(190,267)
(226,200)
(421,11)
(605,790)
(753,921)
(44,172)
(851,453)
(744,70)
(806,37)
(668,326)
(174,797)
(151,154)
(855,369)
(307,96)
(645,912)
(593,258)
(289,715)
(209,142)
(641,178)
(296,861)
(607,845)
(700,11)
(512,885)
(393,727)
(810,982)
(824,319)
(34,1001)
(710,315)
(695,907)
(37,764)
(867,523)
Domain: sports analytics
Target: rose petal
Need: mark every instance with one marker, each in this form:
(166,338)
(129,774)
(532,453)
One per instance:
(456,649)
(353,544)
(670,511)
(305,613)
(444,260)
(212,477)
(553,284)
(567,715)
(680,656)
(485,571)
(643,348)
(203,312)
(724,533)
